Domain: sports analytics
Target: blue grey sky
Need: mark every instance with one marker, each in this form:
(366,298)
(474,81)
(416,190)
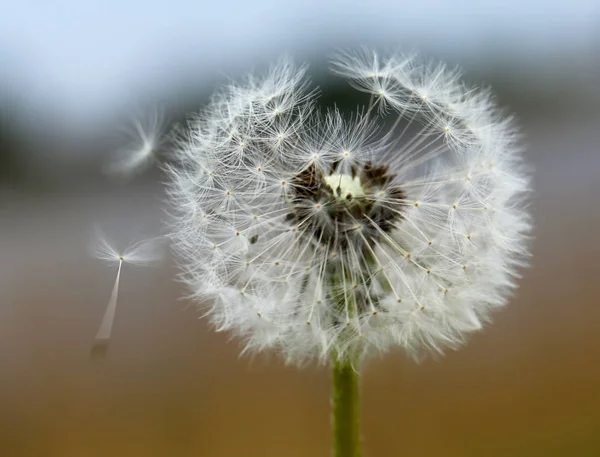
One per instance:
(79,58)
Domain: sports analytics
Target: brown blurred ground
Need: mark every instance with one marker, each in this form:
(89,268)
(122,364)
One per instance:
(529,385)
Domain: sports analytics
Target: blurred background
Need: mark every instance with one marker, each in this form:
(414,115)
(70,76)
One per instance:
(74,74)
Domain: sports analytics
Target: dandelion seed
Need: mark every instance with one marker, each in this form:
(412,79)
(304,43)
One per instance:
(352,224)
(141,253)
(144,140)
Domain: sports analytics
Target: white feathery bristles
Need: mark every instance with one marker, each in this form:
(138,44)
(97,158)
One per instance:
(317,234)
(143,141)
(141,253)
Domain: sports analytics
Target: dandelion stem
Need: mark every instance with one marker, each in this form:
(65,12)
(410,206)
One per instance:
(345,406)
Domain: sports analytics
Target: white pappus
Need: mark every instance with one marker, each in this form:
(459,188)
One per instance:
(321,235)
(140,253)
(144,140)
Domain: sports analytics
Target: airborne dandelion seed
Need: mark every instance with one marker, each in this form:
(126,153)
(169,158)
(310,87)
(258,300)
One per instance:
(144,141)
(141,253)
(319,235)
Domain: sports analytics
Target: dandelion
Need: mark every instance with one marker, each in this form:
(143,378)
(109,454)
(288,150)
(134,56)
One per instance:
(329,237)
(141,253)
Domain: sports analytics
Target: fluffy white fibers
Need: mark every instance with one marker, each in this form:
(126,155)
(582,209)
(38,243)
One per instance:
(321,235)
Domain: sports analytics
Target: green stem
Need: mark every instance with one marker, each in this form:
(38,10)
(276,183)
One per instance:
(345,405)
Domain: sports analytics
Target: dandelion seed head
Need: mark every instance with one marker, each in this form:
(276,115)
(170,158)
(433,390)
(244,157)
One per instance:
(315,233)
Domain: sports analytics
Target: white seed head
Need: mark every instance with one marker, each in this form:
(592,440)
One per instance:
(320,235)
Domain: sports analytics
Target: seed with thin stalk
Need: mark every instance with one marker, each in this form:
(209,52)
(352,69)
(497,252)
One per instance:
(321,235)
(141,253)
